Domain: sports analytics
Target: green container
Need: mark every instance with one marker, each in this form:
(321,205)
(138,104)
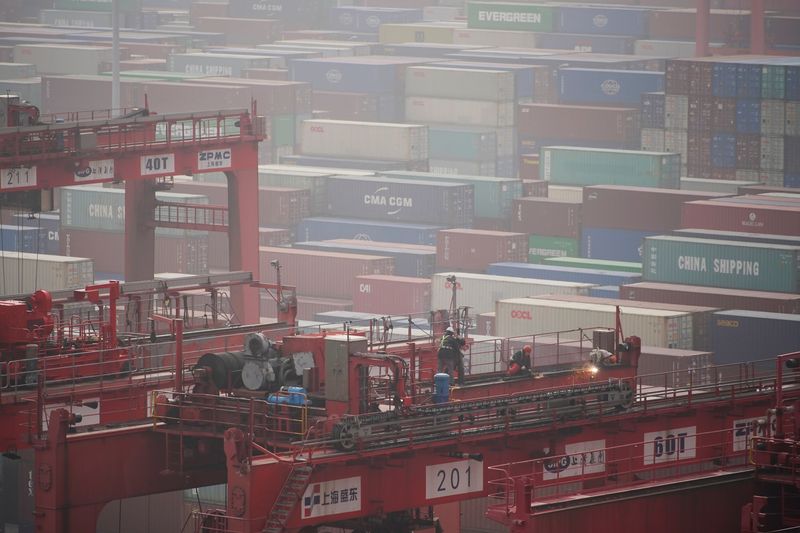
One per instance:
(283,130)
(726,264)
(462,143)
(493,196)
(130,6)
(568,165)
(773,82)
(541,247)
(510,16)
(596,264)
(93,207)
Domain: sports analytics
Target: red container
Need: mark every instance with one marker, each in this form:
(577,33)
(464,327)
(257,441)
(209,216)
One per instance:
(701,110)
(188,255)
(752,218)
(474,250)
(529,168)
(582,123)
(218,250)
(723,115)
(241,31)
(679,24)
(485,324)
(636,208)
(348,106)
(701,78)
(276,74)
(321,274)
(547,216)
(534,187)
(771,302)
(392,295)
(274,97)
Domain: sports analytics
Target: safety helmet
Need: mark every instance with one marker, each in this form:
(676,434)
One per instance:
(527,349)
(449,331)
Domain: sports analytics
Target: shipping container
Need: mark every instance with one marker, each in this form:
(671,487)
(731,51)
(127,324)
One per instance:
(605,291)
(369,19)
(584,123)
(653,109)
(421,109)
(383,198)
(607,87)
(321,274)
(359,74)
(727,264)
(636,208)
(324,228)
(596,264)
(727,187)
(22,239)
(564,192)
(613,243)
(392,295)
(484,324)
(479,292)
(673,369)
(542,247)
(473,250)
(210,64)
(64,58)
(534,186)
(11,71)
(462,143)
(462,84)
(747,336)
(559,273)
(364,107)
(493,196)
(24,273)
(547,216)
(293,14)
(753,218)
(417,261)
(369,140)
(530,81)
(676,111)
(503,38)
(511,16)
(765,238)
(48,224)
(652,140)
(593,166)
(528,316)
(603,20)
(421,32)
(774,302)
(600,44)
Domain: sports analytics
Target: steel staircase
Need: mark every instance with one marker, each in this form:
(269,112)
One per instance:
(293,488)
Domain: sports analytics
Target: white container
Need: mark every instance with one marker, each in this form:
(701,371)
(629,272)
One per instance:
(364,140)
(646,47)
(565,192)
(463,112)
(676,112)
(773,117)
(527,316)
(500,38)
(676,142)
(712,185)
(64,58)
(460,83)
(480,292)
(652,139)
(25,273)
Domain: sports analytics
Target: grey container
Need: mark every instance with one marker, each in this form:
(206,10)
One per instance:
(9,71)
(726,264)
(382,198)
(460,83)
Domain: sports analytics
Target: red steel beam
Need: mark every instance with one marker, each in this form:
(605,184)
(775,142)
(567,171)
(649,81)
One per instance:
(757,35)
(701,31)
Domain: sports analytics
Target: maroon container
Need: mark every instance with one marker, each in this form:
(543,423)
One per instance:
(701,78)
(752,218)
(187,255)
(275,97)
(636,208)
(723,114)
(701,110)
(535,187)
(782,30)
(473,250)
(583,123)
(529,168)
(546,216)
(348,106)
(241,31)
(748,151)
(677,77)
(321,274)
(771,302)
(198,10)
(276,74)
(392,295)
(170,97)
(485,324)
(679,24)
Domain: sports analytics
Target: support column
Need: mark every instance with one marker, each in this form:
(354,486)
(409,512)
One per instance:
(140,230)
(702,19)
(757,31)
(243,239)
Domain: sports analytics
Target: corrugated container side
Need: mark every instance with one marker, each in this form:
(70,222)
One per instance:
(474,250)
(667,367)
(753,218)
(773,302)
(607,87)
(546,216)
(577,275)
(324,228)
(542,247)
(392,295)
(587,166)
(613,243)
(409,260)
(369,140)
(26,273)
(511,16)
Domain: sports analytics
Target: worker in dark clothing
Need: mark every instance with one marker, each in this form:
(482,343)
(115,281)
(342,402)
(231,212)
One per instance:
(520,361)
(450,356)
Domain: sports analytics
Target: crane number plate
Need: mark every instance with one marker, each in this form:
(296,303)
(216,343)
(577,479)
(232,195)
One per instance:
(17,177)
(162,164)
(450,479)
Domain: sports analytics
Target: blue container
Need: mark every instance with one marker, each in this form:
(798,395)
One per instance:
(295,396)
(369,19)
(48,224)
(604,291)
(748,81)
(792,88)
(524,75)
(613,244)
(353,74)
(748,116)
(293,13)
(411,263)
(559,273)
(724,78)
(742,336)
(599,20)
(441,387)
(653,110)
(21,239)
(723,150)
(604,87)
(791,180)
(324,228)
(351,318)
(598,44)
